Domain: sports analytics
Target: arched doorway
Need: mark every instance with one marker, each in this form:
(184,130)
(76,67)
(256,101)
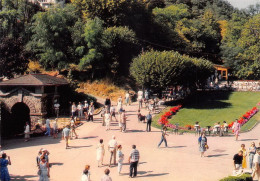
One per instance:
(20,114)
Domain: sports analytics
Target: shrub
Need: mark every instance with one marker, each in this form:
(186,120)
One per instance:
(244,177)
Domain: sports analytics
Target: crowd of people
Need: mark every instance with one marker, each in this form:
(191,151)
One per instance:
(117,113)
(247,159)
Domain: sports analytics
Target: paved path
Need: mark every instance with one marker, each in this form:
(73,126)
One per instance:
(180,161)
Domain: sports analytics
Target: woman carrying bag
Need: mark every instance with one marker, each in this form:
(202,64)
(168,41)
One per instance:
(203,145)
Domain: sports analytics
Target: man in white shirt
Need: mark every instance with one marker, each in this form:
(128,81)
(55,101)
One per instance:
(27,132)
(256,163)
(113,112)
(56,109)
(80,110)
(48,128)
(140,98)
(73,109)
(127,101)
(112,149)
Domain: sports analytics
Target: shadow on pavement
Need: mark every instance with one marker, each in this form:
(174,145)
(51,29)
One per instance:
(34,141)
(55,163)
(248,140)
(88,137)
(176,146)
(24,177)
(217,155)
(71,147)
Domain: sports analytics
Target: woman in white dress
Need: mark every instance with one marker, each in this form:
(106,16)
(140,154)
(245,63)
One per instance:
(100,152)
(107,120)
(119,104)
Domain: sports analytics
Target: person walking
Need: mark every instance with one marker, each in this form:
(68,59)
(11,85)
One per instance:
(73,128)
(48,127)
(56,108)
(113,112)
(74,109)
(236,129)
(140,98)
(238,162)
(27,132)
(120,158)
(55,128)
(91,112)
(86,174)
(256,162)
(44,170)
(203,144)
(65,135)
(100,152)
(149,122)
(108,103)
(106,177)
(119,104)
(252,152)
(123,123)
(85,109)
(3,167)
(80,110)
(243,149)
(107,120)
(197,128)
(163,139)
(133,160)
(112,144)
(127,96)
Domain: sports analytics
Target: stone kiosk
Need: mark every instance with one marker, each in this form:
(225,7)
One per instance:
(27,98)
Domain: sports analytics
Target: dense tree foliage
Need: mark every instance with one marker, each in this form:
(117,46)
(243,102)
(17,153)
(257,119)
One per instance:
(158,70)
(241,48)
(13,58)
(52,37)
(102,37)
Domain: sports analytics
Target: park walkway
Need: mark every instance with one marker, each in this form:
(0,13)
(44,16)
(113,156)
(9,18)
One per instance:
(180,161)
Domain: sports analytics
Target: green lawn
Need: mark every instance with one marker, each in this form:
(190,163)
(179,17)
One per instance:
(210,107)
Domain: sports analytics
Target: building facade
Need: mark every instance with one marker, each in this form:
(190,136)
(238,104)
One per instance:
(48,3)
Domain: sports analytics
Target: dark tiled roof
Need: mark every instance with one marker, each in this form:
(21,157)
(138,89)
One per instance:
(35,80)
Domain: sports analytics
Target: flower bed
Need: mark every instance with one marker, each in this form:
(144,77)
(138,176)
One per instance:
(246,117)
(164,118)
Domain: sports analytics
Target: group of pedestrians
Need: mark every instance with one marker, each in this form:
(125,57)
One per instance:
(109,112)
(117,157)
(83,110)
(252,155)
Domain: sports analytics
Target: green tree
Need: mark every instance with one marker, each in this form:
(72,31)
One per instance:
(249,43)
(13,58)
(109,49)
(158,70)
(202,36)
(52,41)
